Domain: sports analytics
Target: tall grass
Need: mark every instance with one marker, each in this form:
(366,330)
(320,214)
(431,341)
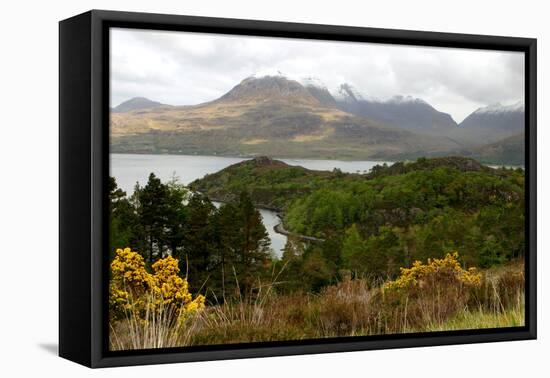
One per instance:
(479,319)
(350,308)
(160,326)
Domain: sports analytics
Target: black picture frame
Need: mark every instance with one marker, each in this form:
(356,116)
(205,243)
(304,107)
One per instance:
(84,165)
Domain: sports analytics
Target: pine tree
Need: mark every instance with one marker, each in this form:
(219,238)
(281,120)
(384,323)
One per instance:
(152,207)
(176,217)
(353,251)
(198,240)
(122,218)
(253,243)
(225,237)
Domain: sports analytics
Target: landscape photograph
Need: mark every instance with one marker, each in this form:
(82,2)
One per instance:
(273,190)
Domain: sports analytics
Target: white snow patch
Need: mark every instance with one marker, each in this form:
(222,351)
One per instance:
(268,72)
(499,108)
(399,99)
(347,92)
(312,81)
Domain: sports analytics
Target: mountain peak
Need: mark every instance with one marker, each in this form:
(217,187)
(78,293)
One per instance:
(269,89)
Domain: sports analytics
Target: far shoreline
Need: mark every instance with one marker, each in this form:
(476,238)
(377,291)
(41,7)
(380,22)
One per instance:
(382,162)
(248,157)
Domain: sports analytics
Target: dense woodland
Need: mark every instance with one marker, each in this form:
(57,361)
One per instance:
(370,225)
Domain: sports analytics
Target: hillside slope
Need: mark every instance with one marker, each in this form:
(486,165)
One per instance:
(507,151)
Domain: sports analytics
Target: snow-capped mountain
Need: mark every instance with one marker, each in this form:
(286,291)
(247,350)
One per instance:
(497,117)
(492,123)
(405,112)
(272,88)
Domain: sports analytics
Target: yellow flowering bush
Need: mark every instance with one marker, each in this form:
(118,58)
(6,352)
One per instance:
(129,268)
(173,288)
(446,270)
(428,293)
(133,288)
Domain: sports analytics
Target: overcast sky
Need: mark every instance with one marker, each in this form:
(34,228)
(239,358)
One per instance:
(180,68)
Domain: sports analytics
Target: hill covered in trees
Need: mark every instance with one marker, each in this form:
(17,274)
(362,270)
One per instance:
(376,223)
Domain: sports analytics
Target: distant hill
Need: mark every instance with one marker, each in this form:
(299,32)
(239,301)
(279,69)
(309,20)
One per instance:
(271,115)
(136,103)
(507,151)
(269,177)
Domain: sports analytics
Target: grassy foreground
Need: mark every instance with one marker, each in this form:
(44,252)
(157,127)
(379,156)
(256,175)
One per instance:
(436,296)
(479,319)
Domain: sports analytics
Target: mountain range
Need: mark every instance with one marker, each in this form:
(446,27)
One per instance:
(278,116)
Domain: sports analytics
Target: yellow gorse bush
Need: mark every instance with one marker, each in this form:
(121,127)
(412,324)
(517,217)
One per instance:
(446,270)
(135,289)
(129,268)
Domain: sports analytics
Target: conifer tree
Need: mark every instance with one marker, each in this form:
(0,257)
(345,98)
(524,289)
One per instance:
(152,207)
